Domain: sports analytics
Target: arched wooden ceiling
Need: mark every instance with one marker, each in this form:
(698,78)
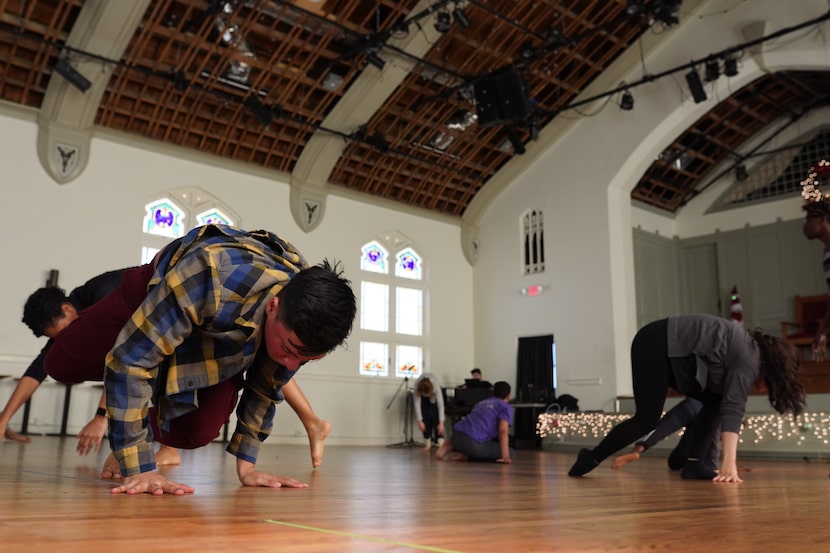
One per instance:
(254,81)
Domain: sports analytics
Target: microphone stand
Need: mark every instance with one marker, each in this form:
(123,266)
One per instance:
(409,413)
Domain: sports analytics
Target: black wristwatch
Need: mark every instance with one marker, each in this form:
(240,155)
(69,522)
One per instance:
(101,412)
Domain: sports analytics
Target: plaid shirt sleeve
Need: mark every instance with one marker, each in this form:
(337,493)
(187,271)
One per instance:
(257,407)
(185,297)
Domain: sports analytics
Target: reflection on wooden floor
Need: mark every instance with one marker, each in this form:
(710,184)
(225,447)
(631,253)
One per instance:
(374,499)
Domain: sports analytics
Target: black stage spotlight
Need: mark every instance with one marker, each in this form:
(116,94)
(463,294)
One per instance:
(626,101)
(515,138)
(262,113)
(740,172)
(634,8)
(730,66)
(695,86)
(712,71)
(461,17)
(373,58)
(71,75)
(528,52)
(442,22)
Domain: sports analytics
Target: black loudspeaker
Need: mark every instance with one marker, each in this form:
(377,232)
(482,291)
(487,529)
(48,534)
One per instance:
(501,97)
(52,281)
(695,86)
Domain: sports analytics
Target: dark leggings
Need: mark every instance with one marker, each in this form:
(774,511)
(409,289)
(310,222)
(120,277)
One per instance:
(650,372)
(429,412)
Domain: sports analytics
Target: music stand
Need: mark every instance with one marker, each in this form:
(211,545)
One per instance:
(409,412)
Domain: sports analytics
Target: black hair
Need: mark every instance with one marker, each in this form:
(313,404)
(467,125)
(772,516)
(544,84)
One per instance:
(44,308)
(501,389)
(780,366)
(816,209)
(475,371)
(319,306)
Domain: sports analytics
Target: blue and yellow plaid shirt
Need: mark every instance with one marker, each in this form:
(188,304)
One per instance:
(200,324)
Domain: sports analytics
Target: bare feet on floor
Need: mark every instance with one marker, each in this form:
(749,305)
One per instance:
(167,455)
(457,457)
(622,460)
(111,469)
(444,449)
(316,439)
(12,435)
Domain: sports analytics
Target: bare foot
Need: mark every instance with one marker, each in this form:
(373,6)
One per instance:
(443,450)
(167,455)
(111,469)
(428,446)
(12,435)
(622,460)
(316,440)
(457,457)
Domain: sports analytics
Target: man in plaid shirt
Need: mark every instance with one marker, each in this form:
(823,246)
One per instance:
(219,310)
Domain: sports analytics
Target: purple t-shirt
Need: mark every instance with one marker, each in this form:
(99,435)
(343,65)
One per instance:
(482,424)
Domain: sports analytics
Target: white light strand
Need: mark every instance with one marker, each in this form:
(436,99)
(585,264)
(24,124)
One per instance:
(754,429)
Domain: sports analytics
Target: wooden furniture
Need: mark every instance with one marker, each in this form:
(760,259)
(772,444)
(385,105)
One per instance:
(809,311)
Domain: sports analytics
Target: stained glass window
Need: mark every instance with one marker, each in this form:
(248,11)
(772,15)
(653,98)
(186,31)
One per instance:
(374,258)
(374,358)
(408,361)
(213,217)
(178,211)
(164,218)
(392,305)
(408,264)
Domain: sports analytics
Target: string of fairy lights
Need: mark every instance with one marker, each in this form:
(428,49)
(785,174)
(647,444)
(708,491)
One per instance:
(807,428)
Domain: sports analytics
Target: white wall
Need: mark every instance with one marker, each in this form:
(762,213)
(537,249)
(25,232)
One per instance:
(93,224)
(582,183)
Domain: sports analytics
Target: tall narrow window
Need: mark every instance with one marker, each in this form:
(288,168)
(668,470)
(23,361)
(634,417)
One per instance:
(533,243)
(392,306)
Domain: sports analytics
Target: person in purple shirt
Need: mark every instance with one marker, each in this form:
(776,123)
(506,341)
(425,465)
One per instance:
(483,435)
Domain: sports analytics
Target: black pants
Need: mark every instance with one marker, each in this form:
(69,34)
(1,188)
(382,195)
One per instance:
(429,411)
(651,374)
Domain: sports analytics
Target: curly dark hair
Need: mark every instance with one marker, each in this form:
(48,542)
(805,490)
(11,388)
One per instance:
(44,308)
(816,209)
(780,367)
(318,305)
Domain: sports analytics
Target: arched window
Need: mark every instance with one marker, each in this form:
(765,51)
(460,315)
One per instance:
(392,307)
(170,216)
(533,242)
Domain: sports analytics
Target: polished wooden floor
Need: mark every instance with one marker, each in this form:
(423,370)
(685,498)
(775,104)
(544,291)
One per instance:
(374,499)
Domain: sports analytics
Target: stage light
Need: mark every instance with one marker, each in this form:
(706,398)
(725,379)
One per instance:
(373,58)
(72,76)
(627,101)
(695,86)
(442,22)
(528,52)
(634,8)
(730,66)
(262,113)
(515,138)
(461,18)
(740,172)
(712,71)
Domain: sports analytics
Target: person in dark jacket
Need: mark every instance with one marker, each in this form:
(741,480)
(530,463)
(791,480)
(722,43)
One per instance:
(715,361)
